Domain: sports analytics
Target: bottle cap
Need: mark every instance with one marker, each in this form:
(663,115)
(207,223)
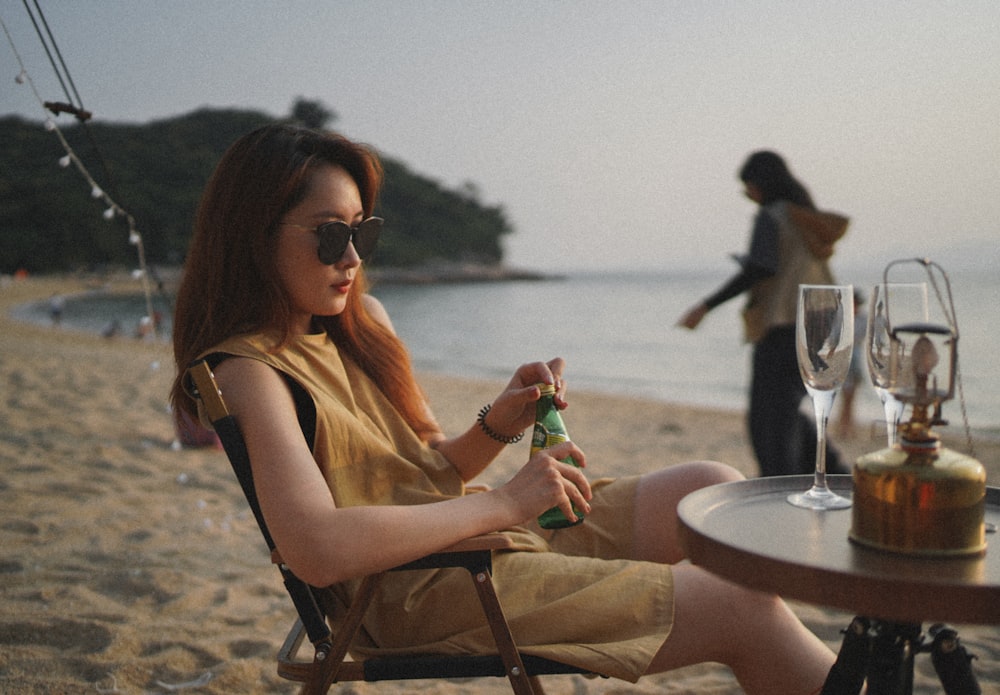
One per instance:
(547,389)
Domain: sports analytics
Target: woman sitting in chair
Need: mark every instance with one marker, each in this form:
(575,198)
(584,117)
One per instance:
(274,281)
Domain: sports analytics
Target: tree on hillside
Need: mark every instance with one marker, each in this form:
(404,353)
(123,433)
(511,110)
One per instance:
(311,114)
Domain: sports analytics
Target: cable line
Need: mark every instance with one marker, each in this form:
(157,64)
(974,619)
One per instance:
(97,192)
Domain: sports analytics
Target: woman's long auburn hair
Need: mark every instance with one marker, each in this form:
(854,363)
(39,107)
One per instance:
(230,285)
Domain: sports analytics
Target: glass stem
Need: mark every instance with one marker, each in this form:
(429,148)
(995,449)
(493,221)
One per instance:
(893,412)
(823,405)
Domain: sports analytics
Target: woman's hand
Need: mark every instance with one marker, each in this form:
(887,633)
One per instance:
(693,317)
(513,410)
(510,414)
(545,482)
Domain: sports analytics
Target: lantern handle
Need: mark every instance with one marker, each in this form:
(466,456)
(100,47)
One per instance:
(935,281)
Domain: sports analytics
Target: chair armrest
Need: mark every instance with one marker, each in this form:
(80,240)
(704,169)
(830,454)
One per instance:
(486,541)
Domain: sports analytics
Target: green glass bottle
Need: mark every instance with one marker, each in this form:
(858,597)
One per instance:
(550,430)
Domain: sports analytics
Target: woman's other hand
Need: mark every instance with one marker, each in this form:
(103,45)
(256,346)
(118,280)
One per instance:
(545,482)
(693,317)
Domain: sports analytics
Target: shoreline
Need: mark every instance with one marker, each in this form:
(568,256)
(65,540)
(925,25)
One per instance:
(128,564)
(448,272)
(73,286)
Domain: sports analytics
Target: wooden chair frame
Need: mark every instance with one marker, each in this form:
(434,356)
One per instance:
(331,662)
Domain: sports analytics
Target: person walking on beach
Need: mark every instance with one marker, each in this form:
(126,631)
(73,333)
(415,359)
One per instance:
(274,286)
(790,244)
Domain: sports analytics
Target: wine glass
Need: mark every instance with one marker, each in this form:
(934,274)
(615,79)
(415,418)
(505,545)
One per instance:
(824,341)
(908,303)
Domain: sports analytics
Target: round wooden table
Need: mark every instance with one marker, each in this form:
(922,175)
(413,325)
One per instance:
(748,533)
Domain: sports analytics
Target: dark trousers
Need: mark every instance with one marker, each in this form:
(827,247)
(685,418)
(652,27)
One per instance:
(783,437)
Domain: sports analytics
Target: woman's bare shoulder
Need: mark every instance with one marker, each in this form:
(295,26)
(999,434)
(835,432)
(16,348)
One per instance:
(375,309)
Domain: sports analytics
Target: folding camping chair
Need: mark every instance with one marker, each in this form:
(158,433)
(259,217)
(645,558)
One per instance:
(332,662)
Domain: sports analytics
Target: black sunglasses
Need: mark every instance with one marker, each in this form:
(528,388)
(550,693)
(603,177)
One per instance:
(335,236)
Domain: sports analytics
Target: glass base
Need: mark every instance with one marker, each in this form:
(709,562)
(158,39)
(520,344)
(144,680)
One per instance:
(818,497)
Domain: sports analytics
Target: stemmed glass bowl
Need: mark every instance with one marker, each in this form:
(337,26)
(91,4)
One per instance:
(824,341)
(909,305)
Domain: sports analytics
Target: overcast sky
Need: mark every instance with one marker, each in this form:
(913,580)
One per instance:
(610,132)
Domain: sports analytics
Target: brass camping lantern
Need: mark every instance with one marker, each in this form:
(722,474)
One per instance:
(918,497)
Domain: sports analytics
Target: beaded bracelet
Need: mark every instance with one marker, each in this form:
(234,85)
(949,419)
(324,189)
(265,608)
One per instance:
(503,439)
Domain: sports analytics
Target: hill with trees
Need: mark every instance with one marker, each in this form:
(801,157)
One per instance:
(49,221)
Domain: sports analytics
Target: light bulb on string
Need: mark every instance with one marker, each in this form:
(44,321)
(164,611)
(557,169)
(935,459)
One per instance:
(69,158)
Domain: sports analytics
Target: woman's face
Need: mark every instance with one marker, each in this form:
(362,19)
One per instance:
(314,288)
(753,192)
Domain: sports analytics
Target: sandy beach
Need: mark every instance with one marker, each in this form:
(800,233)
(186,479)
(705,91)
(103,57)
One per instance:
(132,566)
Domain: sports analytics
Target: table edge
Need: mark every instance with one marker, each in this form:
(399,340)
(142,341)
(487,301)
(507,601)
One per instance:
(824,586)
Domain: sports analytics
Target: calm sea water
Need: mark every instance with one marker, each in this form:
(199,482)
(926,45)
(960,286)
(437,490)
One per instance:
(616,332)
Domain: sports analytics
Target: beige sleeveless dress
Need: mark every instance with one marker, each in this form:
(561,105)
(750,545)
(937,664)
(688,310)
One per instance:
(568,595)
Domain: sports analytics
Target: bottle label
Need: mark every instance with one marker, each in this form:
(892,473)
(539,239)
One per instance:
(542,438)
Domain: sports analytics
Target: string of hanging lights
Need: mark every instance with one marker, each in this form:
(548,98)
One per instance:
(112,209)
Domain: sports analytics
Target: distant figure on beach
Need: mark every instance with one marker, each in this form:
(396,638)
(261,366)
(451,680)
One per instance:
(57,305)
(274,294)
(790,244)
(858,373)
(112,329)
(144,329)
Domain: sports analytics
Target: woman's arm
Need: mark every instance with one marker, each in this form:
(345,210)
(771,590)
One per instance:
(513,412)
(324,544)
(510,414)
(760,264)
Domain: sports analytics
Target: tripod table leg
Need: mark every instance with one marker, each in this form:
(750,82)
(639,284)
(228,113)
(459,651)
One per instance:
(893,649)
(952,662)
(847,675)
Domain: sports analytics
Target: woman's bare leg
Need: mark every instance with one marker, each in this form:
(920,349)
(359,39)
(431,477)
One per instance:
(754,634)
(656,532)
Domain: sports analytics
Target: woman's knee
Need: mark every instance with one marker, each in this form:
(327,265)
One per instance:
(706,473)
(667,487)
(656,532)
